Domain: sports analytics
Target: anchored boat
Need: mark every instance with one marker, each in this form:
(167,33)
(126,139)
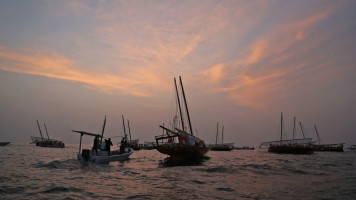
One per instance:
(178,143)
(46,142)
(339,147)
(4,143)
(294,146)
(222,146)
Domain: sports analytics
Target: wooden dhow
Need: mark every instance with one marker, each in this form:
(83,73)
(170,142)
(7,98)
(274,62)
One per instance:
(180,143)
(303,146)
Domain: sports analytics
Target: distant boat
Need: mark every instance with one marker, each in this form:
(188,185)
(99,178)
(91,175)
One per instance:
(244,148)
(131,143)
(4,143)
(339,147)
(352,147)
(290,146)
(46,142)
(101,156)
(181,145)
(149,145)
(222,146)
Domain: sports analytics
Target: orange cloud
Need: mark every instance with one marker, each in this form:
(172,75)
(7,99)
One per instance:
(254,91)
(263,72)
(138,82)
(214,74)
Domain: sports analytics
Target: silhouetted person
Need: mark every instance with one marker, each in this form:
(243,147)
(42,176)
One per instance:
(123,144)
(95,145)
(103,145)
(108,145)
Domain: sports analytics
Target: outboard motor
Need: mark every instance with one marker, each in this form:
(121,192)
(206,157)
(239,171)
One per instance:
(86,154)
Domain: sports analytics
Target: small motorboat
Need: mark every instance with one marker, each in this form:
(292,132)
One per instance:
(101,156)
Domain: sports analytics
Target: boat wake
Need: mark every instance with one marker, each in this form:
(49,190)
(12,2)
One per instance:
(71,164)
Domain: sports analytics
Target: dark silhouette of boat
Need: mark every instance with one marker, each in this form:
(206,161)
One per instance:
(339,147)
(46,142)
(244,148)
(290,146)
(4,143)
(102,155)
(131,143)
(352,147)
(222,146)
(181,145)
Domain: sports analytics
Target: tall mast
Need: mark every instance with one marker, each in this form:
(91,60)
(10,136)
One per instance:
(293,130)
(39,129)
(281,128)
(222,136)
(180,110)
(123,123)
(46,130)
(301,127)
(102,132)
(128,124)
(217,132)
(317,134)
(186,106)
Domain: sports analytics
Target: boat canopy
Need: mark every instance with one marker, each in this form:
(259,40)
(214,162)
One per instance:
(87,133)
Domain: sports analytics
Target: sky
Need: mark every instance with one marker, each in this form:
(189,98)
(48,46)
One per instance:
(71,63)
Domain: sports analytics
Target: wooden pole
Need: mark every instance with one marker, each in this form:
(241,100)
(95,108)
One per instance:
(39,129)
(186,106)
(102,132)
(46,130)
(180,110)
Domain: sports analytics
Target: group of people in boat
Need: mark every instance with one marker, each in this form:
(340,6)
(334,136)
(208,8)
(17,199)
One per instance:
(106,145)
(102,145)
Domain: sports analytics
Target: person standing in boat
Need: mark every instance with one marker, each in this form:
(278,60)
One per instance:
(170,142)
(108,145)
(95,145)
(123,144)
(103,146)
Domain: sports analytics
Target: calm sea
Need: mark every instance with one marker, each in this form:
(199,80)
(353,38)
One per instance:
(30,172)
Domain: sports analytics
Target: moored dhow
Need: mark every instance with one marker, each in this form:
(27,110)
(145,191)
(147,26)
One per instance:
(222,146)
(339,147)
(46,142)
(303,146)
(178,143)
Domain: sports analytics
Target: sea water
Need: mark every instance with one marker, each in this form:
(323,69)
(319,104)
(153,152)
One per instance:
(30,172)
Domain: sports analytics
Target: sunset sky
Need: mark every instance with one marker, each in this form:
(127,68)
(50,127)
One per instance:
(70,63)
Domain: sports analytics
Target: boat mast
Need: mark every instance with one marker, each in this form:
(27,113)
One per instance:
(301,127)
(217,132)
(281,128)
(46,130)
(128,124)
(186,106)
(222,136)
(293,130)
(123,123)
(180,110)
(102,132)
(317,133)
(39,129)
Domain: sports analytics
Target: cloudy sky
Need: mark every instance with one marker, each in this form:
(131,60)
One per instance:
(70,63)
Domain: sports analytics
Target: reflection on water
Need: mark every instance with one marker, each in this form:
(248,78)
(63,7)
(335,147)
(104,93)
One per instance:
(30,172)
(168,162)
